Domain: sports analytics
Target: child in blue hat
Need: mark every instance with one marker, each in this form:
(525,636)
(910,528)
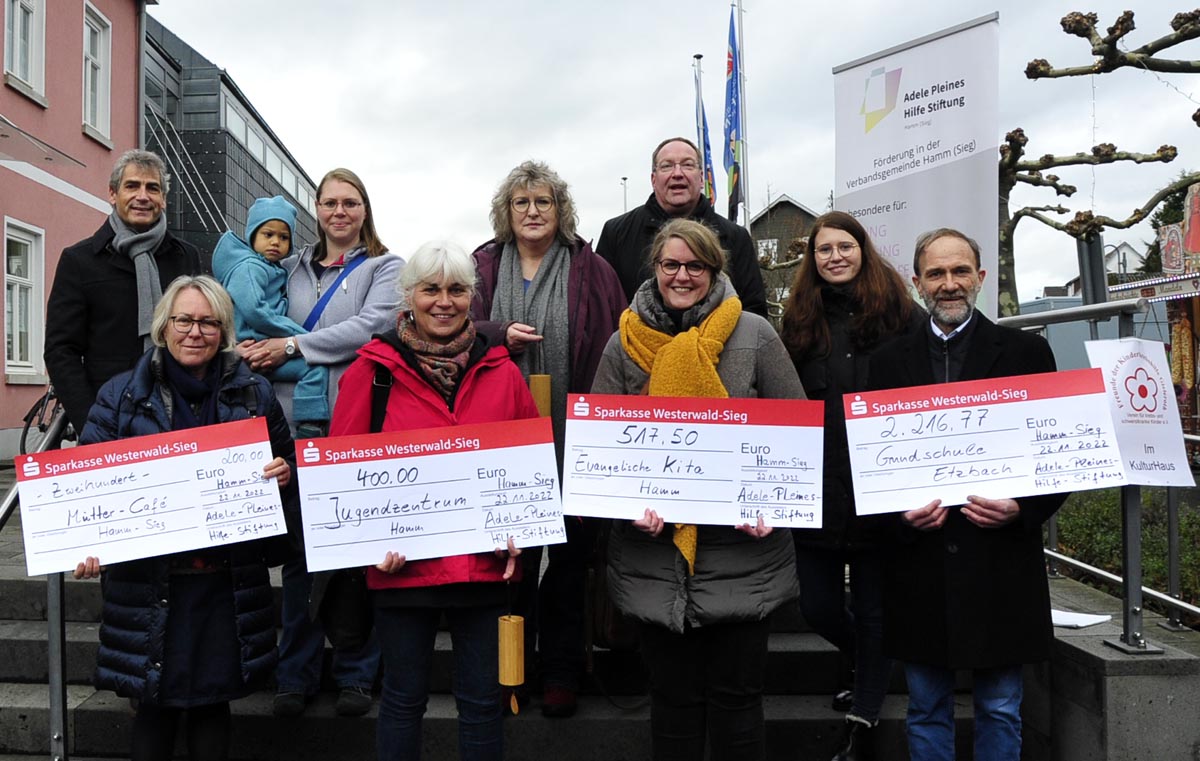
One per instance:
(250,270)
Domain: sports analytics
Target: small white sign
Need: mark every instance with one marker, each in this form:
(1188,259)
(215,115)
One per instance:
(695,460)
(998,438)
(146,496)
(429,493)
(1142,401)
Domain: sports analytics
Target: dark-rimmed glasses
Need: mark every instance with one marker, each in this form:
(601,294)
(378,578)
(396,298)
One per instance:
(845,248)
(695,267)
(183,324)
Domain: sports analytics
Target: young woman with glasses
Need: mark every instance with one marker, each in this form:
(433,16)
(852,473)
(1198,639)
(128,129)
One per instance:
(845,301)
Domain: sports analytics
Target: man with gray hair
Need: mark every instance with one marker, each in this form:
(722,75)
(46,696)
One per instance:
(677,177)
(965,587)
(106,287)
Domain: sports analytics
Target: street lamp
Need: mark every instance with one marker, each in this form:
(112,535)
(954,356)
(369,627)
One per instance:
(625,193)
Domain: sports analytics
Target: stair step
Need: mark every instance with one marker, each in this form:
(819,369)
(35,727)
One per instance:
(797,727)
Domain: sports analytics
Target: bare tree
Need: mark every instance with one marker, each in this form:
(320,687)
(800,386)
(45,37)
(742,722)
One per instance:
(1015,167)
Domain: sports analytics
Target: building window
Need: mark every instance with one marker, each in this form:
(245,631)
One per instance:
(274,164)
(23,267)
(254,144)
(768,249)
(235,123)
(97,65)
(25,45)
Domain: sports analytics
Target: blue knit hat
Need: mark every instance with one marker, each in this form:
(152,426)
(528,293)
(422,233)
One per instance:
(264,210)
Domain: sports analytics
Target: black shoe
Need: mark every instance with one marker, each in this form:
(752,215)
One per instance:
(289,704)
(352,701)
(843,701)
(857,742)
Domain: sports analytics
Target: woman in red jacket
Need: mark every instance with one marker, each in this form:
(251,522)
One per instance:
(444,374)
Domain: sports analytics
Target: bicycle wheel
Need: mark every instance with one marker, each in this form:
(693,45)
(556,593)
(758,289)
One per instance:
(37,424)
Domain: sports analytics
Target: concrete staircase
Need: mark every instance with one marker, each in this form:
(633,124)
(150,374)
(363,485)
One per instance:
(802,675)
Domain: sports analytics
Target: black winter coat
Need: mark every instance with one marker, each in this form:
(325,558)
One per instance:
(135,609)
(625,244)
(91,315)
(844,369)
(964,596)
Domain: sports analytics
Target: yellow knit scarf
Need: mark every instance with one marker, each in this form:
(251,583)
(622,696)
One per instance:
(682,365)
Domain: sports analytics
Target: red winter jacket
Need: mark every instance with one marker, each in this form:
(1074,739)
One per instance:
(491,390)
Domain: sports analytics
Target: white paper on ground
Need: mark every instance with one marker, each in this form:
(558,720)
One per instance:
(1071,620)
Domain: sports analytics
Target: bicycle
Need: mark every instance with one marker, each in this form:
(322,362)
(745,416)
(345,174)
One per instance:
(46,425)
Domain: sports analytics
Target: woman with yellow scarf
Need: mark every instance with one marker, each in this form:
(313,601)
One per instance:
(700,594)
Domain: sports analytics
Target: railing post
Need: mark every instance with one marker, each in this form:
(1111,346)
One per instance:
(1132,640)
(56,663)
(1052,541)
(1173,622)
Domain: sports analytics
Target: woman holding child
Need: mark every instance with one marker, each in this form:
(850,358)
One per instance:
(342,290)
(701,594)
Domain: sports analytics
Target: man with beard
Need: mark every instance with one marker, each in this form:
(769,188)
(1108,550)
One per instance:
(106,287)
(966,584)
(678,181)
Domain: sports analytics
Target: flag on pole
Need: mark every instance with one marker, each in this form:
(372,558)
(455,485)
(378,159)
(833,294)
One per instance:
(710,182)
(733,121)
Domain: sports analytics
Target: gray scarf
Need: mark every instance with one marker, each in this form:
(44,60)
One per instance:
(140,247)
(543,306)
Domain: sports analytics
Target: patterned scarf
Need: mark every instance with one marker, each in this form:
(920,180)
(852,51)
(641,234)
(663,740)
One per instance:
(684,364)
(441,364)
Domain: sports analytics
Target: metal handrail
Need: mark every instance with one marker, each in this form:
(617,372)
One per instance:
(1132,638)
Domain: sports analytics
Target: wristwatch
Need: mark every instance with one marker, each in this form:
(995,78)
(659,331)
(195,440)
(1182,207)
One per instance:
(289,347)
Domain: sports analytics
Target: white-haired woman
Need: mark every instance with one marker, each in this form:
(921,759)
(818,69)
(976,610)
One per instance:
(206,645)
(443,373)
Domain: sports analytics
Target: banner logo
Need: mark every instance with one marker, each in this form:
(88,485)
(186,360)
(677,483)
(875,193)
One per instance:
(879,97)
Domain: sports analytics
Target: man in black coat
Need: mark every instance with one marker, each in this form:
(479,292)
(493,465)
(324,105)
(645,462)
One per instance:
(966,585)
(678,180)
(105,287)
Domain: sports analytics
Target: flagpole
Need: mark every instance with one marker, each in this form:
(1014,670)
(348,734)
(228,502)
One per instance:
(699,116)
(745,163)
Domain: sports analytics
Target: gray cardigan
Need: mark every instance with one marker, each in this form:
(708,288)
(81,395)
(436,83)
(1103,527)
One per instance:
(738,577)
(367,303)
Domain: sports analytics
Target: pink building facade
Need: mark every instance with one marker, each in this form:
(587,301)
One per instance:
(69,106)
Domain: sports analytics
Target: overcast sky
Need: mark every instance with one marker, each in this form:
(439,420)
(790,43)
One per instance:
(433,103)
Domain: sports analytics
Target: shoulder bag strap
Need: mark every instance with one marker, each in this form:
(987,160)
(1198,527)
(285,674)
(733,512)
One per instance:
(319,307)
(380,390)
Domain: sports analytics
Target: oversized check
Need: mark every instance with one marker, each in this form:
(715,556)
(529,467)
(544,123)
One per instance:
(146,496)
(695,460)
(1003,437)
(429,493)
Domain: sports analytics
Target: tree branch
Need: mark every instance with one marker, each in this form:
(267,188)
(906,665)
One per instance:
(1049,181)
(1109,57)
(1086,224)
(1104,153)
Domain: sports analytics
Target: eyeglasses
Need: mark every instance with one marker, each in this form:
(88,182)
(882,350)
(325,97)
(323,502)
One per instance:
(348,204)
(666,167)
(695,267)
(183,324)
(542,204)
(845,248)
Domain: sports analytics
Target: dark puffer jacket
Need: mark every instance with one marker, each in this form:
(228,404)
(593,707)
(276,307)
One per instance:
(134,617)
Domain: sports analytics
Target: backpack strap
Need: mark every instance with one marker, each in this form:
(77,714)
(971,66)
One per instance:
(380,390)
(250,399)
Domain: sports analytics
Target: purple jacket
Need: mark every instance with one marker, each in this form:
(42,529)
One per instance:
(594,301)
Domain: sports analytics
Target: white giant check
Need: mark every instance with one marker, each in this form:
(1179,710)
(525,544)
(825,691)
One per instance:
(694,460)
(998,438)
(146,496)
(429,493)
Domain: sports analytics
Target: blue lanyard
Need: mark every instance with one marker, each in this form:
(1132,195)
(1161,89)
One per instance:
(319,307)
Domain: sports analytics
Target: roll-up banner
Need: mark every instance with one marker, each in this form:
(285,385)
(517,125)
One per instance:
(917,139)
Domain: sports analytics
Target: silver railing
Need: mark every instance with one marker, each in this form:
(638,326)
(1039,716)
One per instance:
(56,636)
(1133,594)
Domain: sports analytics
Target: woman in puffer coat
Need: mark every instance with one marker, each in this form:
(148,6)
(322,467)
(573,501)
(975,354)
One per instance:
(701,594)
(188,632)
